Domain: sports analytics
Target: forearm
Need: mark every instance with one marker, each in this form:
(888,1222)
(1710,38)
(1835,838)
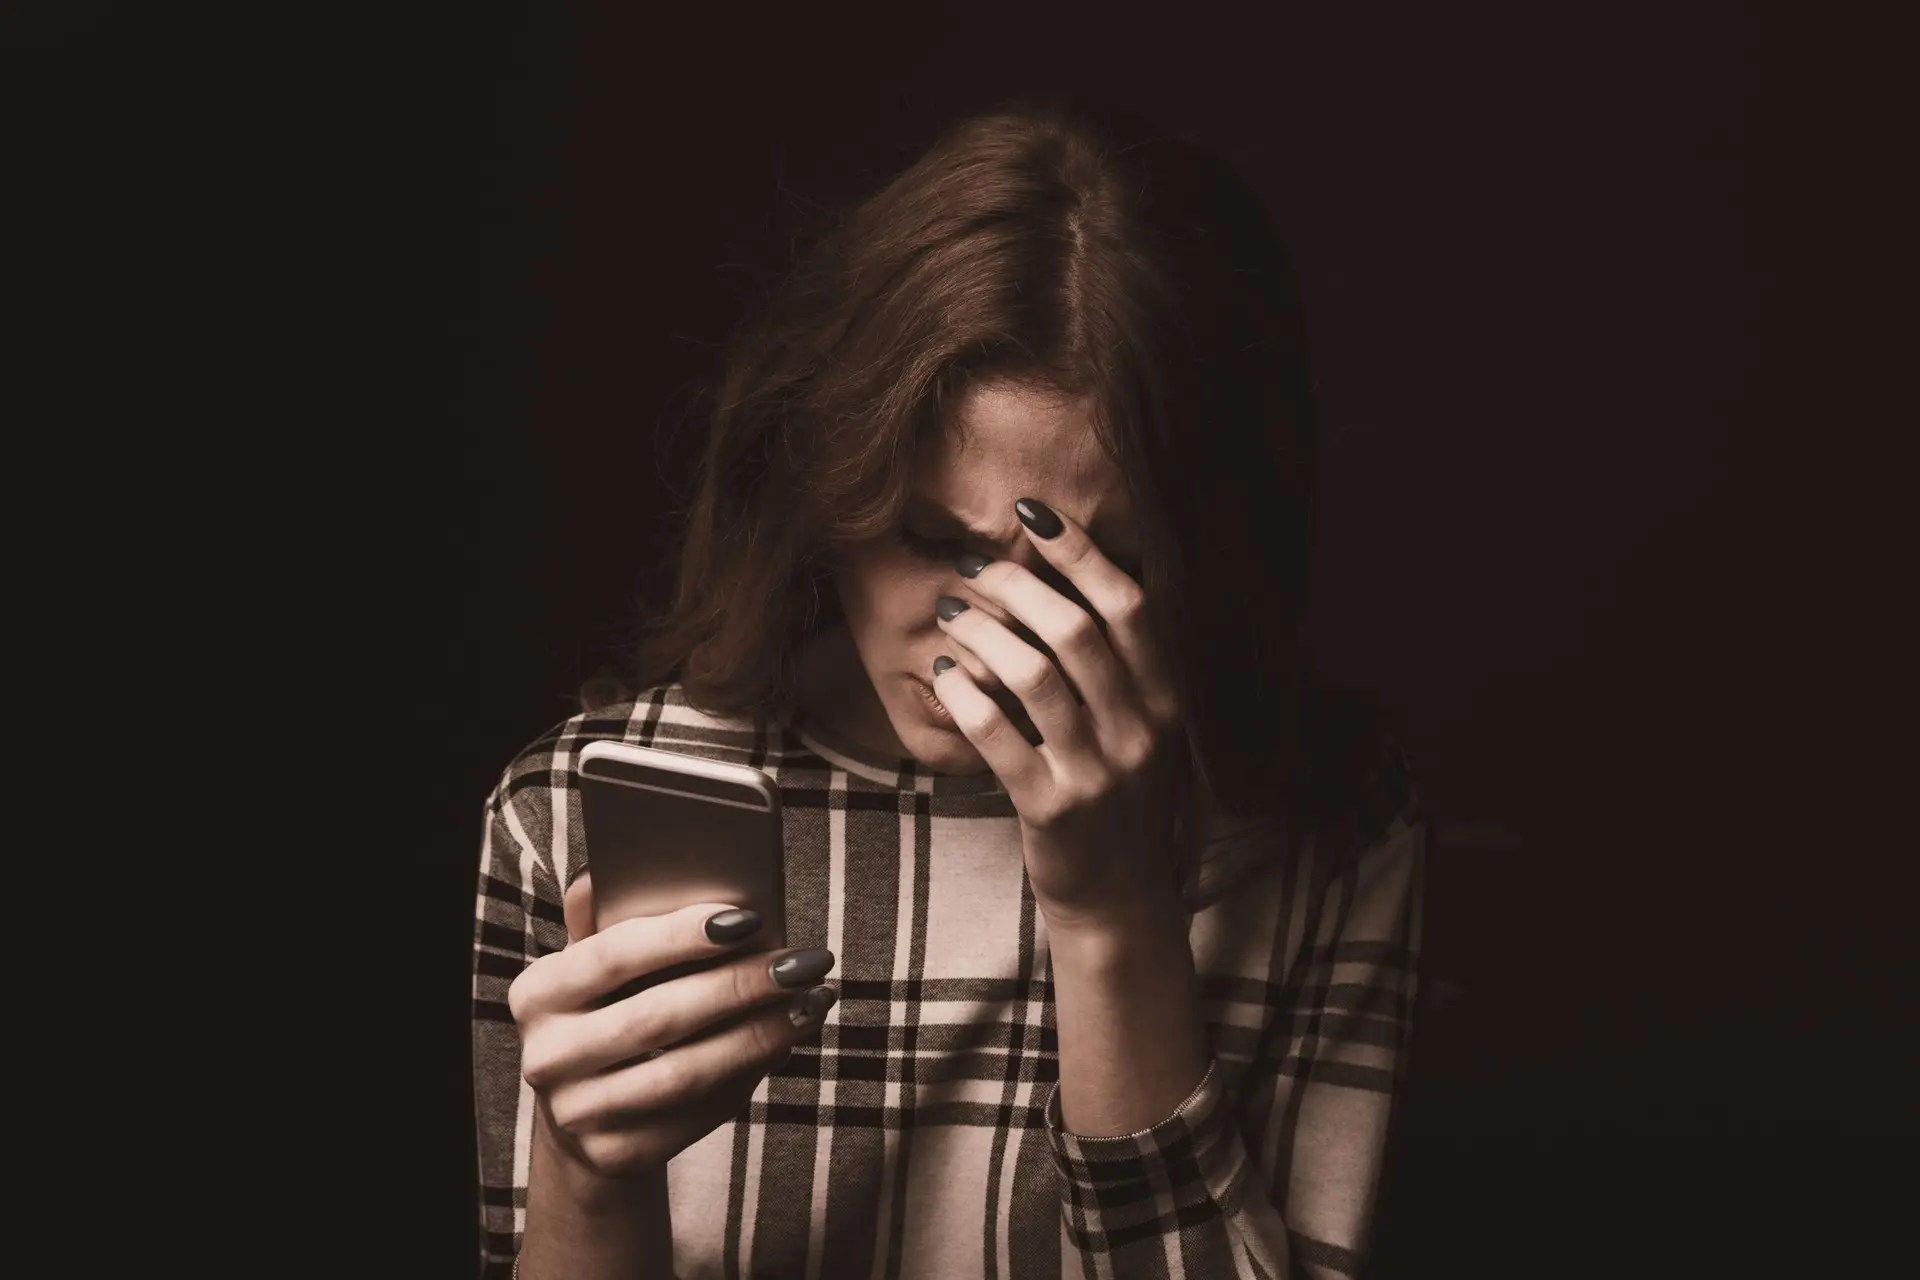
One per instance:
(582,1227)
(1132,1043)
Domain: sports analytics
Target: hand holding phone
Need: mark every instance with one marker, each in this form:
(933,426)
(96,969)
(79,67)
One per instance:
(626,1086)
(666,1008)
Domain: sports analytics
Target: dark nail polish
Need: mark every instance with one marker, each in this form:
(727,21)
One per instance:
(813,1006)
(801,968)
(949,608)
(970,564)
(733,925)
(942,665)
(1039,517)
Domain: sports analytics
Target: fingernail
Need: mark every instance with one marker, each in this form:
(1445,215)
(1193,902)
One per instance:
(798,968)
(942,665)
(970,564)
(1039,517)
(813,1006)
(949,608)
(732,925)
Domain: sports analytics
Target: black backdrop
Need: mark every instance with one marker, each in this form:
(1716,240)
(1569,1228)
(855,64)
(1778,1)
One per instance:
(1611,514)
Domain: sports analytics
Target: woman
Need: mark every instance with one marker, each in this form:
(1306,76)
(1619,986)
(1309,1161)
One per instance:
(996,567)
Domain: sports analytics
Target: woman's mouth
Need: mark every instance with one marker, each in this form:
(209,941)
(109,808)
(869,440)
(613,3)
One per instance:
(1009,705)
(936,708)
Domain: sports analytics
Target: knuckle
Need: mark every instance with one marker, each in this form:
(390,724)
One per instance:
(1075,798)
(626,951)
(1030,674)
(568,1110)
(536,1065)
(1051,688)
(1129,600)
(988,729)
(666,1079)
(1043,816)
(1130,756)
(638,1021)
(772,1037)
(599,960)
(750,981)
(1063,806)
(520,994)
(609,968)
(605,1152)
(1080,632)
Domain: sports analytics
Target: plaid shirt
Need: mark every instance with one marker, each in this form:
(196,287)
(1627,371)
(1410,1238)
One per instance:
(922,1136)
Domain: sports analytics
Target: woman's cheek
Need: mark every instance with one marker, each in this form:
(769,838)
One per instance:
(913,584)
(894,587)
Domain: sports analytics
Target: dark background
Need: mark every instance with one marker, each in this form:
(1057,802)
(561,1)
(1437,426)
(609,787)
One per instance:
(1612,324)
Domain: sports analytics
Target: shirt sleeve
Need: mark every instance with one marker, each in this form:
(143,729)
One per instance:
(1270,1170)
(517,917)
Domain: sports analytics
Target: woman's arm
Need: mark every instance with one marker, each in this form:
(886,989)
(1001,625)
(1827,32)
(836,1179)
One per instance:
(1158,1177)
(583,1101)
(577,1225)
(1132,1044)
(582,1227)
(1172,1160)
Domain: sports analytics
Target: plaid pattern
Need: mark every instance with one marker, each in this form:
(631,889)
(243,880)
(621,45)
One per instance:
(921,1137)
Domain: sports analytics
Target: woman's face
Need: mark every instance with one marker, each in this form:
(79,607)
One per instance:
(1018,443)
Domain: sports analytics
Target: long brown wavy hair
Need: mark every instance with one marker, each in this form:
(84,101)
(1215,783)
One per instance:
(1083,251)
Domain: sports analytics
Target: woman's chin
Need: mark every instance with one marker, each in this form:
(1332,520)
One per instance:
(944,750)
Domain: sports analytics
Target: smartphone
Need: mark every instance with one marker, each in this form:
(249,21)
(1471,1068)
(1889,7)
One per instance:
(665,830)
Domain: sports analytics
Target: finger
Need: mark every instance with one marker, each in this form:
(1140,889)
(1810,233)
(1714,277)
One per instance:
(1015,761)
(674,1011)
(682,1076)
(1116,597)
(975,666)
(1076,638)
(605,961)
(983,674)
(1026,672)
(578,906)
(990,684)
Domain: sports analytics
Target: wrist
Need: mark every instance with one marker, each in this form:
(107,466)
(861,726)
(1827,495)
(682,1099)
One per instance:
(587,1193)
(1132,1042)
(1117,929)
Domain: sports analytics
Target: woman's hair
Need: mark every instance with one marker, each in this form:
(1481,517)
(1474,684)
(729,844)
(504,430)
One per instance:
(1087,254)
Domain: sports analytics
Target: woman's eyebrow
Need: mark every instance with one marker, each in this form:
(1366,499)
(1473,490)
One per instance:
(951,523)
(948,522)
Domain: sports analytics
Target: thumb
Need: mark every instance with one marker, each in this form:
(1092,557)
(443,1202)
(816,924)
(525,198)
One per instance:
(578,906)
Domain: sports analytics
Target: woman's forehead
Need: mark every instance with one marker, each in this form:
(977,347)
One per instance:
(1007,441)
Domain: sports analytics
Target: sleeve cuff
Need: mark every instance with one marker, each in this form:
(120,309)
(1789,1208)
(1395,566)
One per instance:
(1143,1185)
